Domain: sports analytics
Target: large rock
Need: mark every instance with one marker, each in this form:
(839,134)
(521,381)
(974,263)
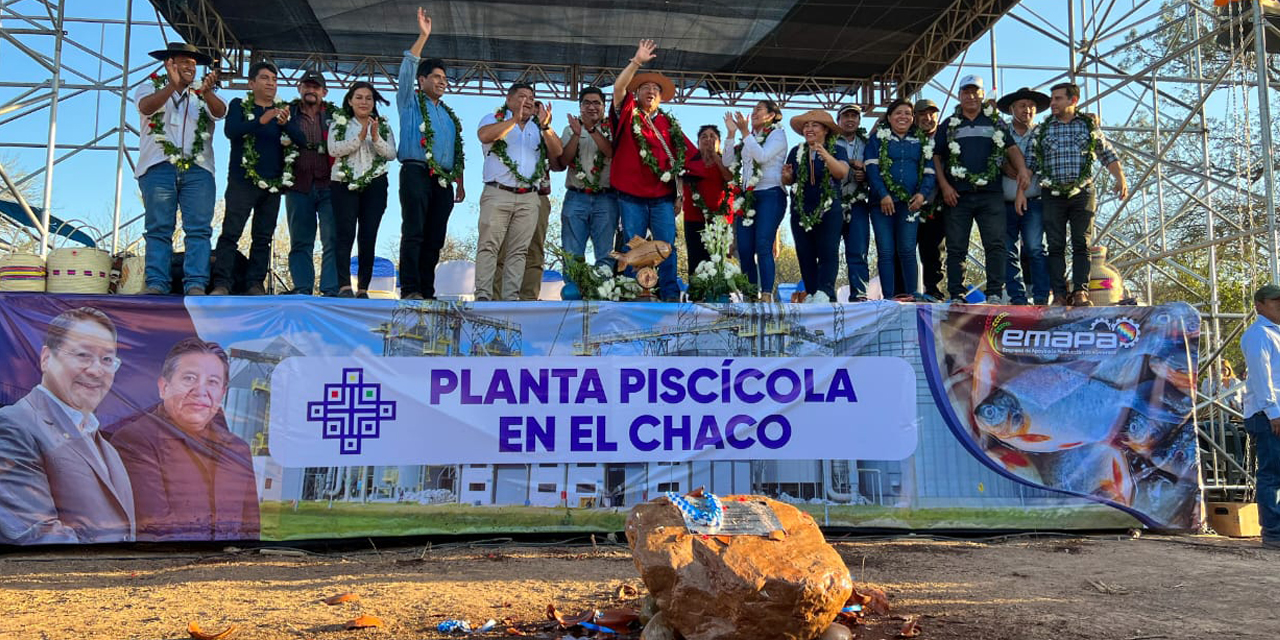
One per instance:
(739,587)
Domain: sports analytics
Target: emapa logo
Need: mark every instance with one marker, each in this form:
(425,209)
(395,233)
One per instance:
(1103,335)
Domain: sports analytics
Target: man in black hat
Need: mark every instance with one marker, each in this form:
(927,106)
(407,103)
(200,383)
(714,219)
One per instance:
(931,236)
(307,201)
(1026,228)
(175,165)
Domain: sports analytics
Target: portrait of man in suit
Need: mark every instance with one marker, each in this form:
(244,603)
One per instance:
(192,477)
(60,480)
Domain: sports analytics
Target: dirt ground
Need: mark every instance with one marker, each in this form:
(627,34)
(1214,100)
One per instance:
(1020,587)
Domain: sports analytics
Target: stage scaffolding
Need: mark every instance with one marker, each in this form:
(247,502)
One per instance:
(1199,224)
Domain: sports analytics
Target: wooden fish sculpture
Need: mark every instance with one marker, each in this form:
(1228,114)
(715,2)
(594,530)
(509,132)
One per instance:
(642,253)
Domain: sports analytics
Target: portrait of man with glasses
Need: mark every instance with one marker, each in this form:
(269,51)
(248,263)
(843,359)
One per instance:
(62,481)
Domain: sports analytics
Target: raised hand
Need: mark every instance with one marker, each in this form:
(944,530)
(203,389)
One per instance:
(742,123)
(364,130)
(210,81)
(171,71)
(645,52)
(575,125)
(424,23)
(544,114)
(373,128)
(729,126)
(282,114)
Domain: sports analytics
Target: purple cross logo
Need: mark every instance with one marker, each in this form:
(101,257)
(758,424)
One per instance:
(352,411)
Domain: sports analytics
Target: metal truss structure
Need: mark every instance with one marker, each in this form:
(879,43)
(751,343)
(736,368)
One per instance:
(1198,225)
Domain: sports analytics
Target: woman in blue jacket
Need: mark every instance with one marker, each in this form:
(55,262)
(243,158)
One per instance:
(816,168)
(899,161)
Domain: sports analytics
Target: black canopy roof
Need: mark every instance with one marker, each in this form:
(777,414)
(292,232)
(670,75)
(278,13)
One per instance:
(898,42)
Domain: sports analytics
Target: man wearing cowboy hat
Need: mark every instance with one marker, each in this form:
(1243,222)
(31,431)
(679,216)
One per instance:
(175,165)
(648,149)
(1027,226)
(969,191)
(931,235)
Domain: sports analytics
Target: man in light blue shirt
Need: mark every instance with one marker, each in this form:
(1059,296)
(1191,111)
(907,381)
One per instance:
(1261,346)
(431,163)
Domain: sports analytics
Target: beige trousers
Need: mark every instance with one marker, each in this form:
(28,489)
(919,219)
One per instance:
(507,224)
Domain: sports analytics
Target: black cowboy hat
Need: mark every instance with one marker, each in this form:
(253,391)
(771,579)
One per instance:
(182,49)
(1006,103)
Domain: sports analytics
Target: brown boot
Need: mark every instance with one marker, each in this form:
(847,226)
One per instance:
(766,297)
(1081,299)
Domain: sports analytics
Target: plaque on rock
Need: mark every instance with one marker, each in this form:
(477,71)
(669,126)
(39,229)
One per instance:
(708,515)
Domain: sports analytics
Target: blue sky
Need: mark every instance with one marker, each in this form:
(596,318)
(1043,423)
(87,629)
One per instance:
(84,185)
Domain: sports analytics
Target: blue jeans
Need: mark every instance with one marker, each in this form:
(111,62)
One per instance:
(1030,228)
(656,215)
(1268,474)
(588,215)
(896,238)
(818,252)
(857,242)
(755,243)
(164,191)
(302,211)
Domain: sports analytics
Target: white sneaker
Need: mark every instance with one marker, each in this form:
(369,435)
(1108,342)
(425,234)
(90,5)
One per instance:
(819,298)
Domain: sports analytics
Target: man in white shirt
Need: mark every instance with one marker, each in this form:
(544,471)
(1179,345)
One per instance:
(175,165)
(1261,346)
(63,482)
(517,143)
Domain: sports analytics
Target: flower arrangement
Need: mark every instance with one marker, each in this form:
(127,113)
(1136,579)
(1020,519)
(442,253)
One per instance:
(646,153)
(719,276)
(597,282)
(499,149)
(897,191)
(375,170)
(811,219)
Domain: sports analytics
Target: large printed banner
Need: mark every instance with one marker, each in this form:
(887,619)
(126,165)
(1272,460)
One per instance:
(295,418)
(527,410)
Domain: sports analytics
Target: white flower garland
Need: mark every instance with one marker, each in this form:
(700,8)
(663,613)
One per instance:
(249,156)
(746,204)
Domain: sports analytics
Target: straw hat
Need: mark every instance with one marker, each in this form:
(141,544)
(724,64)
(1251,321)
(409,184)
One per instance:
(667,86)
(814,115)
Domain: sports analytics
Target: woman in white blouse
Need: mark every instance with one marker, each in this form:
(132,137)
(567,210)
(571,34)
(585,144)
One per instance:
(757,161)
(360,144)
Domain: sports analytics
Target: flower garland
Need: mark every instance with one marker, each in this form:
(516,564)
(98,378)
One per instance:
(322,148)
(155,125)
(429,137)
(746,204)
(1090,154)
(711,516)
(590,180)
(646,153)
(249,158)
(375,170)
(897,191)
(861,191)
(993,161)
(499,149)
(810,219)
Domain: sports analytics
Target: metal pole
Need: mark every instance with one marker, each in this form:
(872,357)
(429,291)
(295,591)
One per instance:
(124,109)
(995,78)
(1264,113)
(1071,40)
(53,132)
